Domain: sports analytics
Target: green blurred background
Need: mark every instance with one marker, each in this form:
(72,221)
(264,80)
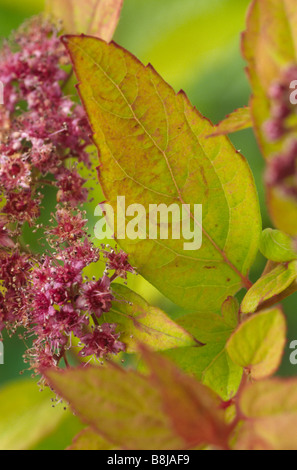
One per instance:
(194,45)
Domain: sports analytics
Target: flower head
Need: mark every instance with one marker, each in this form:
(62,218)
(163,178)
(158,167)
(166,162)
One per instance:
(5,239)
(117,260)
(71,188)
(96,296)
(14,172)
(102,341)
(21,206)
(43,136)
(70,226)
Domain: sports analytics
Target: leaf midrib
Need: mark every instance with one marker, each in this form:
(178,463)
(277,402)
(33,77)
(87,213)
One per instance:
(244,280)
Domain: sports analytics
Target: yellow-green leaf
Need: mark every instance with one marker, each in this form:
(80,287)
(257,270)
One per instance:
(88,439)
(237,121)
(96,17)
(269,287)
(154,149)
(229,310)
(207,327)
(277,246)
(258,343)
(211,364)
(283,211)
(139,322)
(270,407)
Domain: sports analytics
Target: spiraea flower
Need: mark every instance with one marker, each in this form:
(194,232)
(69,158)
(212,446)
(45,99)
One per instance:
(84,252)
(14,172)
(44,134)
(274,129)
(96,296)
(71,188)
(117,261)
(3,312)
(103,340)
(15,268)
(5,238)
(69,227)
(52,128)
(281,168)
(22,207)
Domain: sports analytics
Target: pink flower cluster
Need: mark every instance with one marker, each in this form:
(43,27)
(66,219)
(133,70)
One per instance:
(117,261)
(41,127)
(65,304)
(282,167)
(42,133)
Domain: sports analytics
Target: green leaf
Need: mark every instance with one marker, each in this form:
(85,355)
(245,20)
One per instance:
(237,121)
(211,363)
(207,327)
(28,419)
(229,310)
(154,149)
(90,440)
(212,366)
(268,287)
(139,322)
(96,17)
(277,246)
(166,410)
(259,342)
(270,408)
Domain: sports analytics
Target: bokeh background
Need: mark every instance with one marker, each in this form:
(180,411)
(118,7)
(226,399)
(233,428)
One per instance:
(194,45)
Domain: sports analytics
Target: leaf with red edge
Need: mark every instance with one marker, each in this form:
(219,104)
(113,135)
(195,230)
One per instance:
(166,410)
(269,287)
(239,120)
(192,408)
(154,150)
(88,439)
(139,322)
(270,47)
(270,412)
(258,343)
(123,407)
(95,17)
